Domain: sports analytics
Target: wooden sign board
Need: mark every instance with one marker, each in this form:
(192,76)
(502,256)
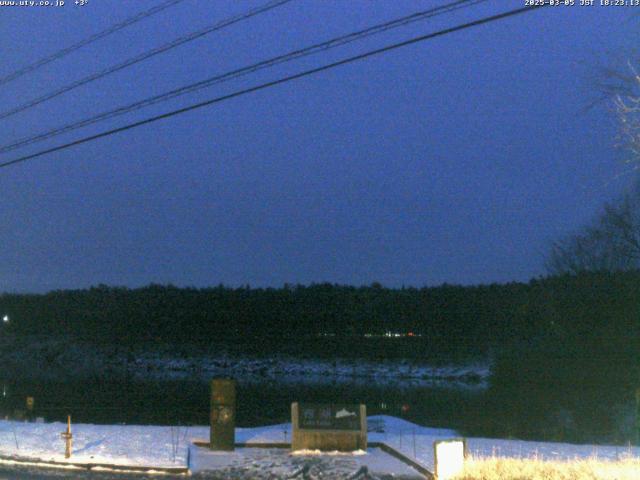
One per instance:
(328,427)
(328,417)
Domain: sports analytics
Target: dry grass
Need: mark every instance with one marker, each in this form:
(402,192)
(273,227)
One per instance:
(496,468)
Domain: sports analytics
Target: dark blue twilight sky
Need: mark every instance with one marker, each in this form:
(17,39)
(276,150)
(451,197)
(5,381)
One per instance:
(456,160)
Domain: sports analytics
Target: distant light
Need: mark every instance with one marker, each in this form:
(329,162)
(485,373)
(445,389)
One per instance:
(5,319)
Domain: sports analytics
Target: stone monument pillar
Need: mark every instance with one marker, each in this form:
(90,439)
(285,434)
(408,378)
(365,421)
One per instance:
(223,414)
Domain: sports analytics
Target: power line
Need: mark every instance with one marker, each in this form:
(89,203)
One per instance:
(104,33)
(296,54)
(273,83)
(144,56)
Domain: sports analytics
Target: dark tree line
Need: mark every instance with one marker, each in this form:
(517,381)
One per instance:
(590,310)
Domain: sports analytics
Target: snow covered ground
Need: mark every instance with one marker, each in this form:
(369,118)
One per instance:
(273,463)
(163,446)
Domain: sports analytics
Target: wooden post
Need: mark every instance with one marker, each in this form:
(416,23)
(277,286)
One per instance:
(296,441)
(30,403)
(68,438)
(363,427)
(638,416)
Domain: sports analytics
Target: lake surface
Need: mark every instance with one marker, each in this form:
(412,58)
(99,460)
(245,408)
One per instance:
(542,414)
(182,402)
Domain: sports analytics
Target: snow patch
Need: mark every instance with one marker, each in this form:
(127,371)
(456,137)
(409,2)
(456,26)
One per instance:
(161,447)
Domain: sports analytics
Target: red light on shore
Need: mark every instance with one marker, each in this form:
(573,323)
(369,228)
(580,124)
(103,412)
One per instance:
(410,334)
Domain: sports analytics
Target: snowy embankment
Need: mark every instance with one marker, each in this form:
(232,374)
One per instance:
(289,369)
(160,446)
(57,359)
